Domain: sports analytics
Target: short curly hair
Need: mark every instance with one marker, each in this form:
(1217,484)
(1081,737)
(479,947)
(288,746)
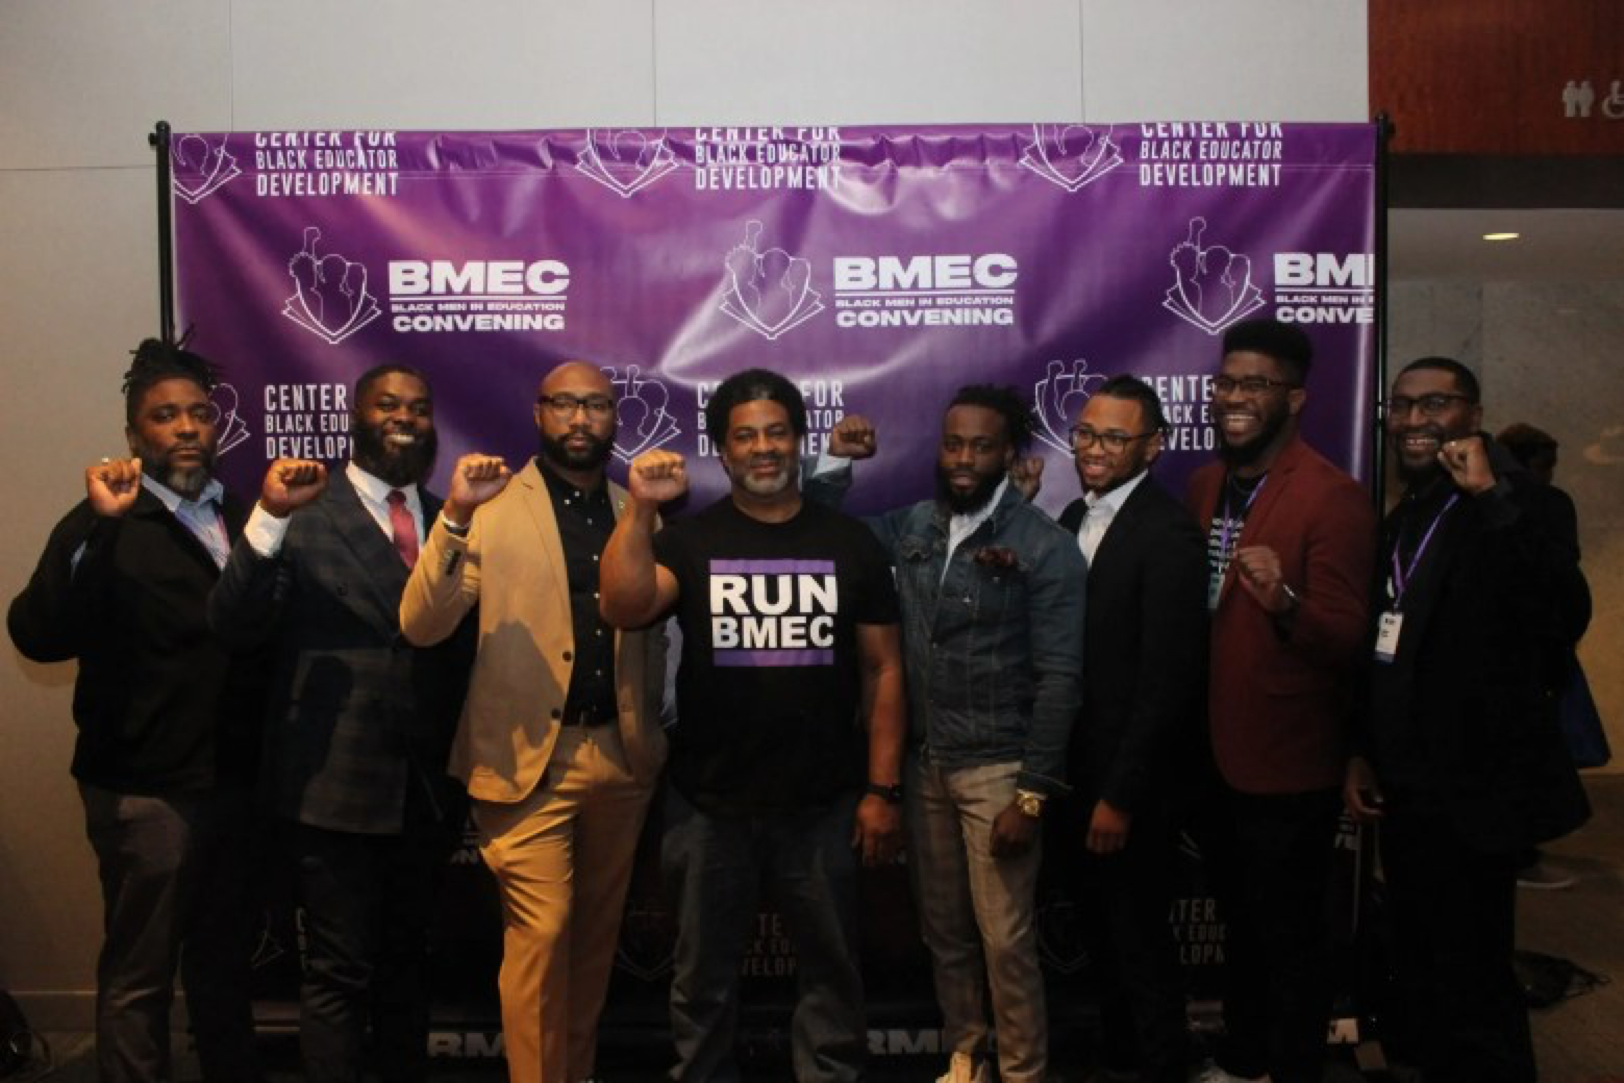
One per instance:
(749,386)
(1006,402)
(155,361)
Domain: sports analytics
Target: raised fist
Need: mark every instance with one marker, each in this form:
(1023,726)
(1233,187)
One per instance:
(112,486)
(291,483)
(853,437)
(1026,474)
(657,477)
(1467,461)
(474,480)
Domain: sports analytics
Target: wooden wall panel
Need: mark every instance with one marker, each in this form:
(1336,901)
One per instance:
(1487,76)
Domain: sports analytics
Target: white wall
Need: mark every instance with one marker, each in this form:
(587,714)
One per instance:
(83,81)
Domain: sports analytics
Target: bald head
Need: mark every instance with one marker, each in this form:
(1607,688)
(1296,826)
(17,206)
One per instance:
(576,378)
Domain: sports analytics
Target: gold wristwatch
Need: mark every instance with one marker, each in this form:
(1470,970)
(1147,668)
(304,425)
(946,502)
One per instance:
(1030,802)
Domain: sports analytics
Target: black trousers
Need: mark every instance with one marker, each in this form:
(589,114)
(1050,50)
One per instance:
(369,901)
(1461,1013)
(175,893)
(1126,898)
(1270,857)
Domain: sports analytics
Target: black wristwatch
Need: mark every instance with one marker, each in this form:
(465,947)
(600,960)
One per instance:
(891,793)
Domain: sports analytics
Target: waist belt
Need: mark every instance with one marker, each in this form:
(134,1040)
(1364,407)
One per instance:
(588,716)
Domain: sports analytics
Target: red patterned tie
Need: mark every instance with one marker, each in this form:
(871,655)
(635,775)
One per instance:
(403,528)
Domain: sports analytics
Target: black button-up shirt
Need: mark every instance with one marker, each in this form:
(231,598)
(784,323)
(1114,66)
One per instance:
(585,521)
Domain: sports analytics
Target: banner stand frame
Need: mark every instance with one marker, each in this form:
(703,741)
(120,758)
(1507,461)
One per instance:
(1378,445)
(158,139)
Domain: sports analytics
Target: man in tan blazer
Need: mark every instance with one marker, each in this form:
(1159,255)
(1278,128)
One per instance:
(559,740)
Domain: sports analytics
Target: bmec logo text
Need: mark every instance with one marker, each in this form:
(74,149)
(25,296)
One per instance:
(995,270)
(477,278)
(1325,287)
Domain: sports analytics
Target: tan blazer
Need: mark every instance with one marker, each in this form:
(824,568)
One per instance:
(512,565)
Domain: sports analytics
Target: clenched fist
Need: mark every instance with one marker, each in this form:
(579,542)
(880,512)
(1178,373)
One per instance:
(291,483)
(112,486)
(657,477)
(475,480)
(853,437)
(1467,461)
(1257,567)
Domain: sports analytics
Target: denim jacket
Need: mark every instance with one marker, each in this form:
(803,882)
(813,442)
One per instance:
(993,650)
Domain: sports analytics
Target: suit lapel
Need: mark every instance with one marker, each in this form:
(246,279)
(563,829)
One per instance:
(383,572)
(147,504)
(1119,535)
(539,503)
(1274,487)
(1275,484)
(431,508)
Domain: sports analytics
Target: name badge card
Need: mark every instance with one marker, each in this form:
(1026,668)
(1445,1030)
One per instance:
(1387,629)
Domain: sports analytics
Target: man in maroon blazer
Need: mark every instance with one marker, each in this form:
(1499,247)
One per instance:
(1290,539)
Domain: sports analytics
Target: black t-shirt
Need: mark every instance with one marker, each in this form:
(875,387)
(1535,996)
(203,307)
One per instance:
(768,691)
(1235,499)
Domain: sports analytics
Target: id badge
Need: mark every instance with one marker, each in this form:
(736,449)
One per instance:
(1215,587)
(1387,629)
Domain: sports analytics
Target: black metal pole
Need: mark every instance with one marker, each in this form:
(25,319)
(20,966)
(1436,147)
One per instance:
(159,141)
(1378,443)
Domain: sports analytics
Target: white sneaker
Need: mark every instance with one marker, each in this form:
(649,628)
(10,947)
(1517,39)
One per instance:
(1541,877)
(964,1068)
(1210,1072)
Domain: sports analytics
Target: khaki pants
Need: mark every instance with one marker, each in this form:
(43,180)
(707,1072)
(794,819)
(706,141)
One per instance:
(562,857)
(975,912)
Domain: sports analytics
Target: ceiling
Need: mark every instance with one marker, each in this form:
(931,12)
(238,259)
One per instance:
(1555,246)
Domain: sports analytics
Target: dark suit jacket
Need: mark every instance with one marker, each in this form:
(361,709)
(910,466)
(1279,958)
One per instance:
(1279,702)
(162,706)
(1144,654)
(1490,620)
(355,715)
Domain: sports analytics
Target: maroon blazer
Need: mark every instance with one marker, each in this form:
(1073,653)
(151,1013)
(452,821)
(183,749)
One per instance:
(1279,701)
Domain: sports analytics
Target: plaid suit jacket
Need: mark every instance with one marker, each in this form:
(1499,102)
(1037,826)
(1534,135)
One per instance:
(355,714)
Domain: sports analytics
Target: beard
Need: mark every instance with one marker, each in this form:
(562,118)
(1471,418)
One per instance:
(965,503)
(186,480)
(1248,453)
(1424,469)
(553,450)
(398,464)
(757,486)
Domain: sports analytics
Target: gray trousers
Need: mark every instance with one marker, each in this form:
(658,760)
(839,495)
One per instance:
(975,912)
(174,878)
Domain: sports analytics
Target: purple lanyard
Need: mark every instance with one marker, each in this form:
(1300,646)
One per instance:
(1225,531)
(1401,575)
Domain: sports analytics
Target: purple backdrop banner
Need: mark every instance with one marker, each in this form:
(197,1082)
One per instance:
(879,267)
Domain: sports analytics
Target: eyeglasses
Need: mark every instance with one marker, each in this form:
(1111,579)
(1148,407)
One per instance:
(1083,438)
(1431,405)
(1250,386)
(563,407)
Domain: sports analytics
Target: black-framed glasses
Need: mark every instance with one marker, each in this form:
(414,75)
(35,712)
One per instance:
(563,407)
(1250,386)
(1430,405)
(1083,438)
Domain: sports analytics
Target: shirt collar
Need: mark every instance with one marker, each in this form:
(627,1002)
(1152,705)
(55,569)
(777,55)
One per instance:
(561,487)
(375,488)
(213,492)
(1115,498)
(963,525)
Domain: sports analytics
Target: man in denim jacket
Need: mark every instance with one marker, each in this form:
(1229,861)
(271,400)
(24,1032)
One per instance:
(992,620)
